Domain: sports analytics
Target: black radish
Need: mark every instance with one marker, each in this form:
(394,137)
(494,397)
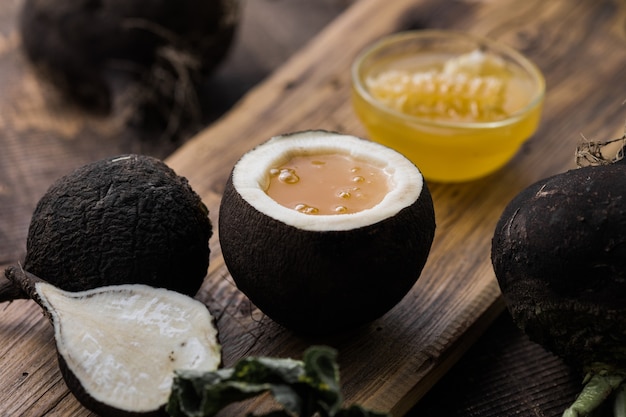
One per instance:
(559,255)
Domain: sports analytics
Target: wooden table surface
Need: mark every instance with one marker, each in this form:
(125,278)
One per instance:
(580,47)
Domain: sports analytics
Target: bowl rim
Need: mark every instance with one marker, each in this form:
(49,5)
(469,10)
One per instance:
(502,49)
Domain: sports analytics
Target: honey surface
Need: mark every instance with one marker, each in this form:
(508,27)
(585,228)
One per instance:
(474,87)
(327,184)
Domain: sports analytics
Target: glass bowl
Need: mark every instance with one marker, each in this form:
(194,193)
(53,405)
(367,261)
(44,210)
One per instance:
(458,105)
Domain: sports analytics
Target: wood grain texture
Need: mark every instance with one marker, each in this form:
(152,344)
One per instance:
(503,374)
(43,137)
(390,365)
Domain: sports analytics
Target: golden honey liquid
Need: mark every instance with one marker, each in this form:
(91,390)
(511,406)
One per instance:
(327,184)
(473,87)
(447,152)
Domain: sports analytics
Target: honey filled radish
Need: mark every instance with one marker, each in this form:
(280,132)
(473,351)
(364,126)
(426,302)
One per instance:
(321,273)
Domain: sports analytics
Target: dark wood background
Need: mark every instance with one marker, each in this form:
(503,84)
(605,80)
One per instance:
(43,137)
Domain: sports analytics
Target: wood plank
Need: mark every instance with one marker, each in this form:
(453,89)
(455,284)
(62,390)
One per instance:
(43,137)
(392,363)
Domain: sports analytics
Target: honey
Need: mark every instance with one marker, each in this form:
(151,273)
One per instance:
(327,184)
(458,117)
(473,87)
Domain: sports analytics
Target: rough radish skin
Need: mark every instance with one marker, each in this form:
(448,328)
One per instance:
(320,274)
(128,219)
(559,254)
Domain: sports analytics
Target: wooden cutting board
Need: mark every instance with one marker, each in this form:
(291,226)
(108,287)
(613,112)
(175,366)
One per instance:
(389,365)
(392,363)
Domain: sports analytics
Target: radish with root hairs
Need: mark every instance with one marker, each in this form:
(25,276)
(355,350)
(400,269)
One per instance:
(559,255)
(88,48)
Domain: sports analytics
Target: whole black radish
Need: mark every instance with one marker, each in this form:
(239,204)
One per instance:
(559,255)
(128,219)
(87,48)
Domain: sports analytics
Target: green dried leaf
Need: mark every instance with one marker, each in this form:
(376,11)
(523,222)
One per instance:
(303,388)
